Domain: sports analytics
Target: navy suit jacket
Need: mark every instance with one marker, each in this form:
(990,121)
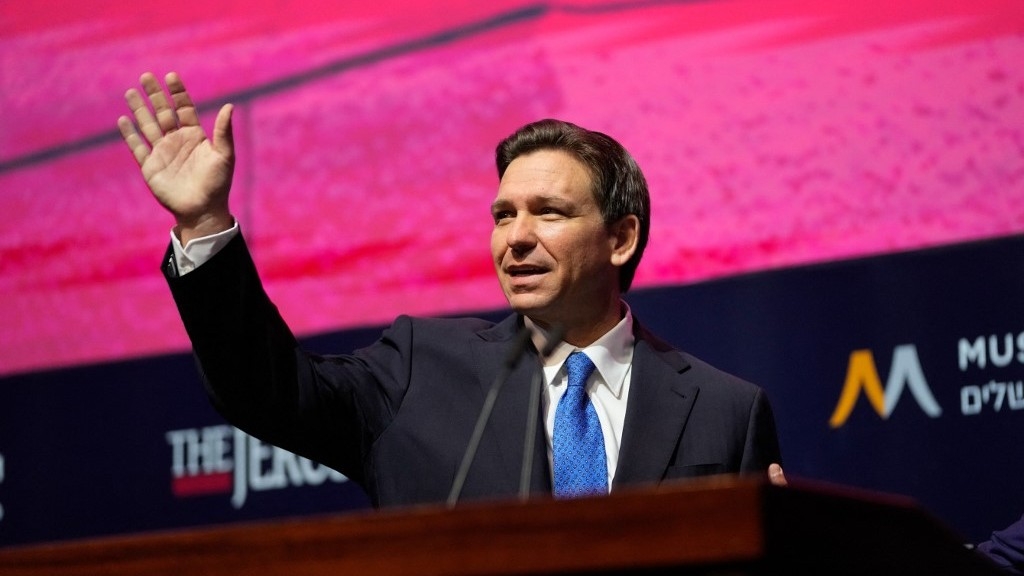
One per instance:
(396,417)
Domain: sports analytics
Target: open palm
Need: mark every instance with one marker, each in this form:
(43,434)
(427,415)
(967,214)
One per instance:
(188,173)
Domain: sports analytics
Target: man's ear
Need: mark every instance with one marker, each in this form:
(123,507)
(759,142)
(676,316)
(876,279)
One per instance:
(624,235)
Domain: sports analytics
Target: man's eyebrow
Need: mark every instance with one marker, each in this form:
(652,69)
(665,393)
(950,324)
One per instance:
(543,199)
(553,199)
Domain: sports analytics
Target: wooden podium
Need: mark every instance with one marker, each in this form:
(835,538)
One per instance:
(713,526)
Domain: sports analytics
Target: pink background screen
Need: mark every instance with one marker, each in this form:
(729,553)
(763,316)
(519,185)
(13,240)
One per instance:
(772,134)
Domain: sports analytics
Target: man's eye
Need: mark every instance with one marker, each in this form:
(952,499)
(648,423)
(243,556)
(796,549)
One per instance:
(502,215)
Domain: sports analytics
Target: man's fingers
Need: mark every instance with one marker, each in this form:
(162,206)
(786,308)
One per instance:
(776,476)
(182,102)
(143,117)
(157,115)
(166,118)
(139,148)
(223,137)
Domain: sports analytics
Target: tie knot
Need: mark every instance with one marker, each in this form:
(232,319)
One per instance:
(578,367)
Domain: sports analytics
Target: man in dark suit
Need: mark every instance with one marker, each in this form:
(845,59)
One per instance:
(571,217)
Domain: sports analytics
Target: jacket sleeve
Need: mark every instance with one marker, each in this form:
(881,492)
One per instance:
(326,408)
(1006,547)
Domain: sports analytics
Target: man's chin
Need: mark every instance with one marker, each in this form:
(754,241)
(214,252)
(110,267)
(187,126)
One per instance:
(529,305)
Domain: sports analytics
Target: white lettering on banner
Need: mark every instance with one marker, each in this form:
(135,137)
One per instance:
(200,451)
(222,459)
(993,352)
(271,468)
(997,350)
(999,394)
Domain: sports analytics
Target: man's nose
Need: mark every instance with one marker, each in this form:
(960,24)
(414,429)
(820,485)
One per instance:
(522,233)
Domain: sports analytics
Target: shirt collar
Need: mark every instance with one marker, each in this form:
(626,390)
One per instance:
(612,353)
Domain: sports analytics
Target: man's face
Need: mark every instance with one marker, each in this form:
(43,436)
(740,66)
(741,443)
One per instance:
(551,249)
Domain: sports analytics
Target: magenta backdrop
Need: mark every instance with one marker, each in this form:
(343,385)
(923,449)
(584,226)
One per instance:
(772,133)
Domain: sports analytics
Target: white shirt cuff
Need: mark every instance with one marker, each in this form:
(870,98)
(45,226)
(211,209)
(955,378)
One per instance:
(199,250)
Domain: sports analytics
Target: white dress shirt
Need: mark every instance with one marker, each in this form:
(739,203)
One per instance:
(608,387)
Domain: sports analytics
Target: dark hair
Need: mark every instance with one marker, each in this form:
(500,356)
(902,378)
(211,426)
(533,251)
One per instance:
(618,184)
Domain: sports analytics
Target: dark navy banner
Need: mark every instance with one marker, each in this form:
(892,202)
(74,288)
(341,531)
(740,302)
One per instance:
(901,373)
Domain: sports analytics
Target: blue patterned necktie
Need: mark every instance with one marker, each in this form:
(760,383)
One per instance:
(580,464)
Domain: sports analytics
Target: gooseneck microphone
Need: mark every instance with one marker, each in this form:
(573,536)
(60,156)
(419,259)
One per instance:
(533,410)
(515,353)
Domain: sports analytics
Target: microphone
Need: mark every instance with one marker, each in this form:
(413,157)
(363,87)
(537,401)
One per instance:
(526,469)
(515,354)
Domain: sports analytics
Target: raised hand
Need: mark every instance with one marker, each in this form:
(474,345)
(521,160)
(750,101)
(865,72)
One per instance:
(188,173)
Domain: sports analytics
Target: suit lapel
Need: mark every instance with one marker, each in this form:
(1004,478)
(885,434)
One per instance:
(660,400)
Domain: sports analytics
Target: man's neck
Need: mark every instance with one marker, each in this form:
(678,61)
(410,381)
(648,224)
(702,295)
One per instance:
(581,334)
